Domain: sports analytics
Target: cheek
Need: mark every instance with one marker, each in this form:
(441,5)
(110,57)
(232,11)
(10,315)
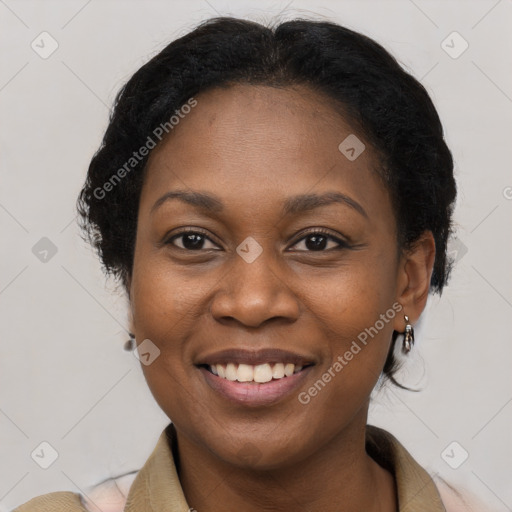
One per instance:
(163,312)
(359,340)
(355,308)
(352,297)
(164,300)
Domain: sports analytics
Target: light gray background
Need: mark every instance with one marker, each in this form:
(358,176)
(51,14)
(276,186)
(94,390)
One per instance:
(64,376)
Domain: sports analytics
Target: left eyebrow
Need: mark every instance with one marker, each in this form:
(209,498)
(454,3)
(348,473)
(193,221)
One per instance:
(306,202)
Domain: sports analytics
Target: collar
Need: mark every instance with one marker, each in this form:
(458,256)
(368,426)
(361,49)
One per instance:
(157,486)
(416,490)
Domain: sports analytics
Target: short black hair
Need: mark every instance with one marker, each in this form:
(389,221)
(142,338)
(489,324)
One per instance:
(388,105)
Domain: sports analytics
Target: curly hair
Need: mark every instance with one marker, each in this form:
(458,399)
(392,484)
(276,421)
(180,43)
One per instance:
(388,105)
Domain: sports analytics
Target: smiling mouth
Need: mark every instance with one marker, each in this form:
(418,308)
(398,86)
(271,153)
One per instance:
(257,374)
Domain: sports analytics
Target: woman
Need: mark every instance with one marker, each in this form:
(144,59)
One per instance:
(277,204)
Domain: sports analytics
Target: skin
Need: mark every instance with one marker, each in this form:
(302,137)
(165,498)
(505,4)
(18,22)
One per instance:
(253,147)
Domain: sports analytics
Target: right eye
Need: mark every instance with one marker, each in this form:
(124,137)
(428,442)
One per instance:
(191,240)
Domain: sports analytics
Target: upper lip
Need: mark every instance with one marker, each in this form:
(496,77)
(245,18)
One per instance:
(254,357)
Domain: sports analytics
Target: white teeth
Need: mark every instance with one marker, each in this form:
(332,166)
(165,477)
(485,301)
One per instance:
(288,369)
(231,372)
(260,373)
(245,373)
(278,371)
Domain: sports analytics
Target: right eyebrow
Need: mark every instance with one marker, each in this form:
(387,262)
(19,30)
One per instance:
(198,199)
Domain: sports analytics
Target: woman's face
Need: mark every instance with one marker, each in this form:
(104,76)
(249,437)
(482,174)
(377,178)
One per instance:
(256,284)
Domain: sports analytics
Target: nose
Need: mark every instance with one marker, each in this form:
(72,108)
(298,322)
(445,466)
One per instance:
(254,293)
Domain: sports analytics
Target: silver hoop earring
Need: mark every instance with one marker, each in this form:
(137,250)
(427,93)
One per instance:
(408,336)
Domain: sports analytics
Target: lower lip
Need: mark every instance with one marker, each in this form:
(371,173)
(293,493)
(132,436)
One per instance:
(255,394)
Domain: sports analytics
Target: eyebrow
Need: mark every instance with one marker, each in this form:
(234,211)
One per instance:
(307,202)
(198,199)
(292,205)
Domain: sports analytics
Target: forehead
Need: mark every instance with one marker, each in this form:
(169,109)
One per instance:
(262,143)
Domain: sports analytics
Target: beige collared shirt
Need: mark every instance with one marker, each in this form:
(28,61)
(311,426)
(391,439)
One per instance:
(156,487)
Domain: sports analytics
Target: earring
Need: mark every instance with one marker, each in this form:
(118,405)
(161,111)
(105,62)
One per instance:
(130,344)
(408,336)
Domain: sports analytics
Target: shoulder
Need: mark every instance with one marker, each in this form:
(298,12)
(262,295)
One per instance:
(458,500)
(109,496)
(414,483)
(54,502)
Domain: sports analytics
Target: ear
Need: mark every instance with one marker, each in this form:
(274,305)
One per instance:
(413,279)
(128,290)
(128,285)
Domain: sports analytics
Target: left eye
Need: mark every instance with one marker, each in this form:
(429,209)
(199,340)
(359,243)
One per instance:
(319,241)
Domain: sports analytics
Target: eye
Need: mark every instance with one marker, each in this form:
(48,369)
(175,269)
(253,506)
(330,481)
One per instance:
(192,240)
(320,241)
(314,241)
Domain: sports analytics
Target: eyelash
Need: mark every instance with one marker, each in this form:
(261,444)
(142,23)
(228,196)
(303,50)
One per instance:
(198,231)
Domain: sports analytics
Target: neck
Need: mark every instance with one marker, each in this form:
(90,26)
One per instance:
(340,476)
